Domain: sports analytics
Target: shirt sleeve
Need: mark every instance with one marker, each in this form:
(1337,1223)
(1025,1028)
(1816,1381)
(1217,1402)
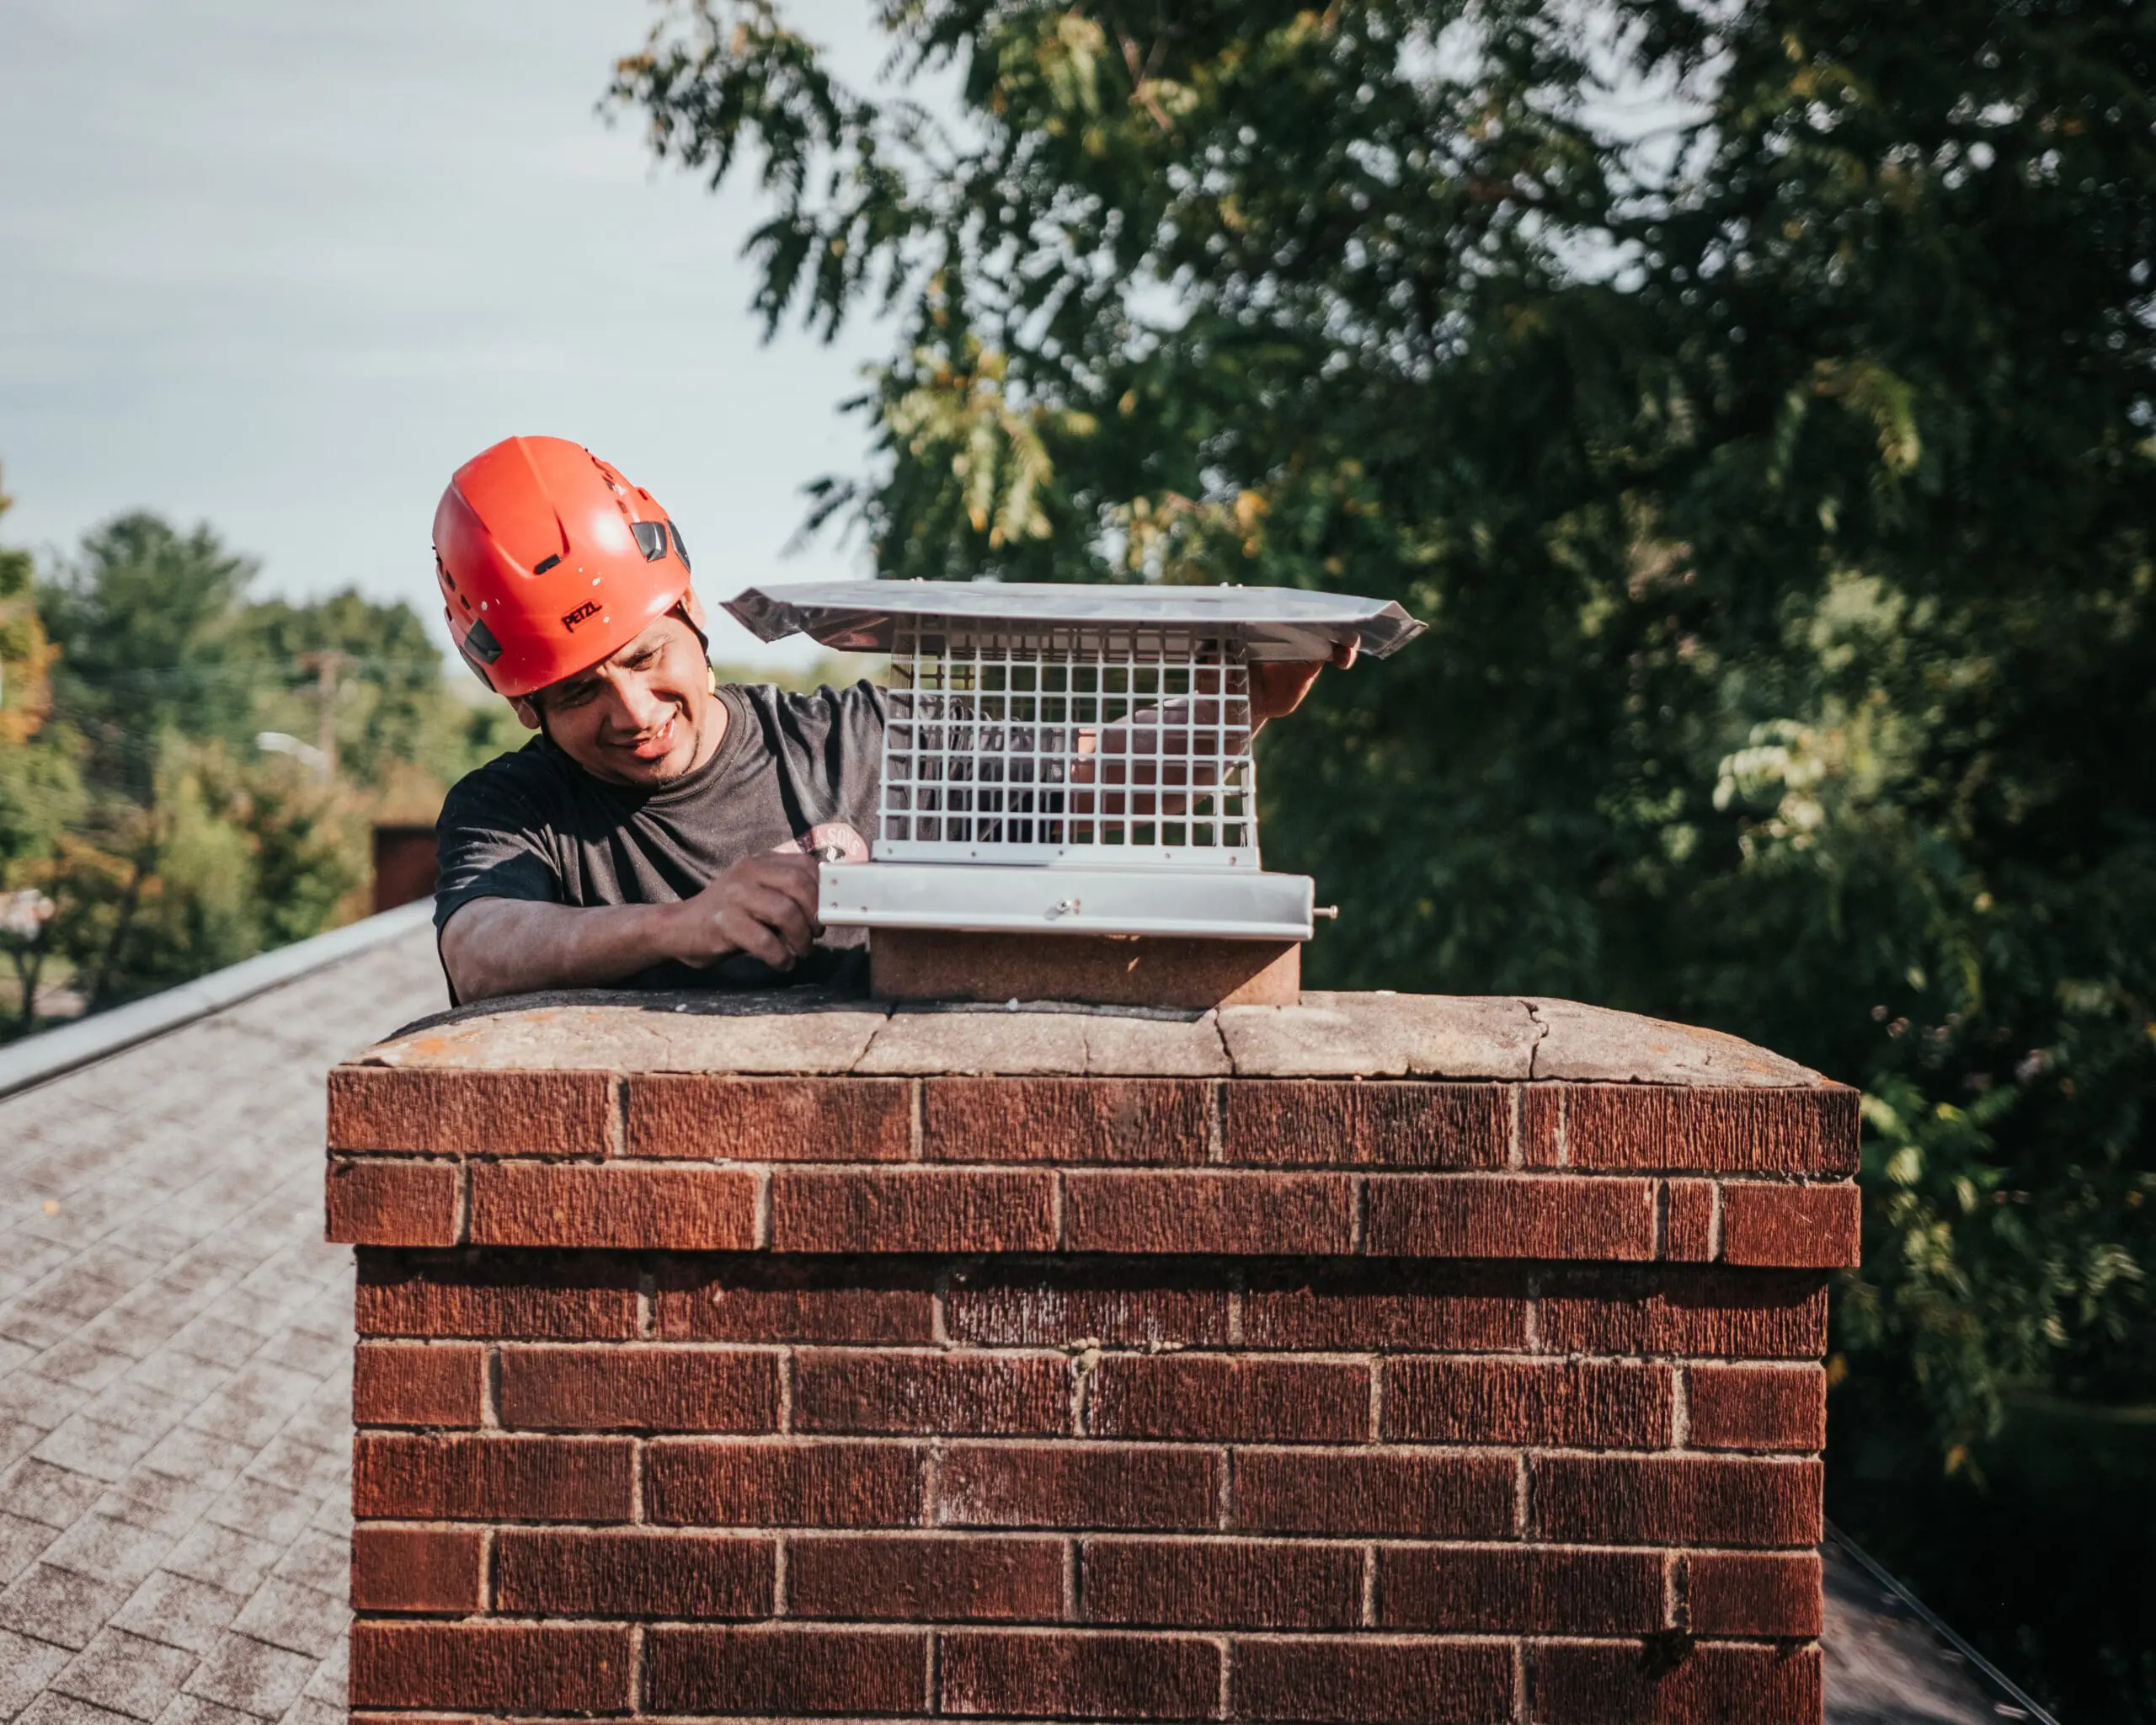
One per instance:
(490,843)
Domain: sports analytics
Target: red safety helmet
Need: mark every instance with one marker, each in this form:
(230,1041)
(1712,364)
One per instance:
(550,560)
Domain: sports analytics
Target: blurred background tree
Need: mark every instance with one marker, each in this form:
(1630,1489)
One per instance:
(41,789)
(188,776)
(1756,400)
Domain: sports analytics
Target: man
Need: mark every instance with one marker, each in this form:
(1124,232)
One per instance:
(660,830)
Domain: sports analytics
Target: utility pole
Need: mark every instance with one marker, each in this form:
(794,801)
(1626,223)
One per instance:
(327,665)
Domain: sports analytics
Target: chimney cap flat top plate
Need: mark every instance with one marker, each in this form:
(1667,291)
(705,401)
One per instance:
(1273,622)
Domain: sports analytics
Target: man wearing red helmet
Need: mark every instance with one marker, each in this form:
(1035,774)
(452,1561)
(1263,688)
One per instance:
(660,830)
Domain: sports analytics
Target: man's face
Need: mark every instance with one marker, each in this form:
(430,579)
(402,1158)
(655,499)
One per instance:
(635,718)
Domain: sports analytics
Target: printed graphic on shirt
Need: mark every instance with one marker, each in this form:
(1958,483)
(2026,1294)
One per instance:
(833,842)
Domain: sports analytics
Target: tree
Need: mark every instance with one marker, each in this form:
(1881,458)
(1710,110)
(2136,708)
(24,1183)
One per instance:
(40,789)
(182,844)
(146,619)
(25,654)
(1756,400)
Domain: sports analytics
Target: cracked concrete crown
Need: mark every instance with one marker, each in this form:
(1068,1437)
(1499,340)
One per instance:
(1326,1035)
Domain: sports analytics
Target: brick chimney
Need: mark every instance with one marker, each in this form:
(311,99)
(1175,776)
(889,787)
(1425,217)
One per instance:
(1377,1357)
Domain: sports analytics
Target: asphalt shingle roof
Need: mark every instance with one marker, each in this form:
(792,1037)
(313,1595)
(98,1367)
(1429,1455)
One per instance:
(175,1367)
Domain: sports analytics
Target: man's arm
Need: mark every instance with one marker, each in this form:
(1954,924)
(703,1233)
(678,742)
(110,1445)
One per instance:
(764,906)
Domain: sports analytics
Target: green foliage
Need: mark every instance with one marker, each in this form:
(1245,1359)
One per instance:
(161,836)
(144,619)
(392,713)
(25,656)
(1756,400)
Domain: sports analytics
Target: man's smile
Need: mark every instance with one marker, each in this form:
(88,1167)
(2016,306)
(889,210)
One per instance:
(658,745)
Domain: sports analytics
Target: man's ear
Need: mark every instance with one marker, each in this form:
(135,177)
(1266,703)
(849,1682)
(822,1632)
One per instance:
(693,609)
(527,715)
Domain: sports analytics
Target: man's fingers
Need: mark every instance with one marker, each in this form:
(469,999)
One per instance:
(787,871)
(743,931)
(782,914)
(800,885)
(1345,653)
(760,943)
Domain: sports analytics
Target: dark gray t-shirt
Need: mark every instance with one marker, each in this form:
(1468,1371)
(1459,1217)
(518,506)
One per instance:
(794,773)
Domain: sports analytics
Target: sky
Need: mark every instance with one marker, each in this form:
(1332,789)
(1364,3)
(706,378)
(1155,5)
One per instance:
(280,265)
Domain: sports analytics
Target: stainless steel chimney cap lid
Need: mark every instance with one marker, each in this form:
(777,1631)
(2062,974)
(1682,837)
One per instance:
(1273,622)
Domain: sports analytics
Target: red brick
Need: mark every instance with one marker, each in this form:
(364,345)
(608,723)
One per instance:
(887,1390)
(794,1300)
(1364,1306)
(1688,1232)
(392,1203)
(1542,1125)
(719,1119)
(785,1670)
(575,1299)
(1410,1496)
(639,1389)
(1065,1119)
(914,1209)
(472,1113)
(1224,1213)
(1727,1313)
(1341,1678)
(1745,1129)
(1119,1306)
(418,1569)
(1754,1593)
(1069,1486)
(1227,1396)
(927,1578)
(1519,1216)
(551,1572)
(410,1383)
(1221,1584)
(491,1478)
(1675,1500)
(637,1206)
(1756,1407)
(1599,1404)
(1520,1590)
(1793,1227)
(1329,1124)
(548,1668)
(1060,1674)
(1587,1683)
(782,1484)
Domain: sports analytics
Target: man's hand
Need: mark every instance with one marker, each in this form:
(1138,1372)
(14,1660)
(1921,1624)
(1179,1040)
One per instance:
(1277,690)
(764,906)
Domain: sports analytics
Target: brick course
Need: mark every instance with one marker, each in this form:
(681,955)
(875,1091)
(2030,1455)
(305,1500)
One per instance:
(1027,1395)
(626,1572)
(410,1383)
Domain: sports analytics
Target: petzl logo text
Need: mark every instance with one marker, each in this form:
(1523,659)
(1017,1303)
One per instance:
(589,608)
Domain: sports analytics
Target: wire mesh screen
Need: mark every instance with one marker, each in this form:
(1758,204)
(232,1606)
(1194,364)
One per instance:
(1005,743)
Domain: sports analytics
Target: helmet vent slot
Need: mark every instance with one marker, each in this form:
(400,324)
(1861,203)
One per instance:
(479,644)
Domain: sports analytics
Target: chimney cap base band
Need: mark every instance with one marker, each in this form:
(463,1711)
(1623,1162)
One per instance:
(1220,904)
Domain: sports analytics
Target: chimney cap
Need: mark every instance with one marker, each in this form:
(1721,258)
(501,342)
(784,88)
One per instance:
(1271,622)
